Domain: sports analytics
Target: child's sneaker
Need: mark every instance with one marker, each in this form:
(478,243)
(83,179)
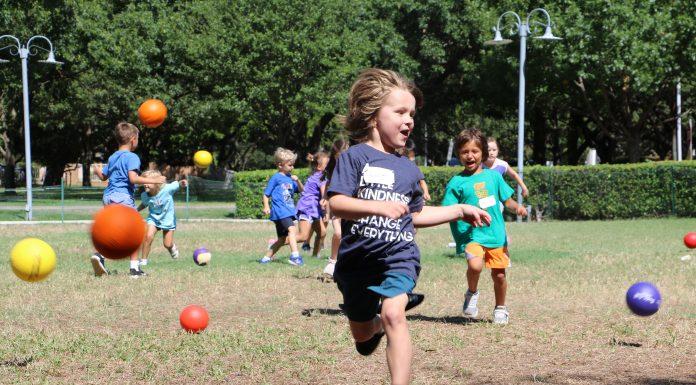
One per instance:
(265,260)
(98,265)
(297,261)
(142,262)
(137,273)
(329,269)
(470,304)
(306,247)
(174,252)
(501,315)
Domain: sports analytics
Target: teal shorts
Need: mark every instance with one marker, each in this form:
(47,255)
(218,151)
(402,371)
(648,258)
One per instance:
(361,295)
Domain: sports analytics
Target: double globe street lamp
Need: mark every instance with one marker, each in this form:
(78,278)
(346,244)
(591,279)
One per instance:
(16,48)
(523,30)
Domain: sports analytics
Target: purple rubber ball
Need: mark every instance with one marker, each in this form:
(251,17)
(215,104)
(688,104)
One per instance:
(201,256)
(643,299)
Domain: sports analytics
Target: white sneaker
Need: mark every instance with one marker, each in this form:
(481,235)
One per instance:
(501,315)
(329,269)
(470,304)
(174,252)
(142,262)
(97,261)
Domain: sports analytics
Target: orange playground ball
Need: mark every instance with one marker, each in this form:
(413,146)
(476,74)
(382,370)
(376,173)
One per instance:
(152,113)
(194,318)
(117,231)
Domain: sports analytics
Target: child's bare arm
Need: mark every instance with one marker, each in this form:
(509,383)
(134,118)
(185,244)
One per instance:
(266,207)
(100,174)
(519,180)
(300,186)
(424,187)
(513,207)
(343,206)
(183,183)
(137,179)
(435,215)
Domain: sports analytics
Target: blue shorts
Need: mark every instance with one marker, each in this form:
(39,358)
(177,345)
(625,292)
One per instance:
(361,296)
(119,198)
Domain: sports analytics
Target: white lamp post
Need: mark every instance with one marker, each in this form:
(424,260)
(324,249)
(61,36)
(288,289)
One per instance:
(24,51)
(523,30)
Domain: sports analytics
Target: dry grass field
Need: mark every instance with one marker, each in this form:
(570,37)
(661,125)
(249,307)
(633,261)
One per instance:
(279,324)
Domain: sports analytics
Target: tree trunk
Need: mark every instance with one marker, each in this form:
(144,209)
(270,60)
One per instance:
(633,147)
(539,126)
(572,139)
(54,172)
(9,176)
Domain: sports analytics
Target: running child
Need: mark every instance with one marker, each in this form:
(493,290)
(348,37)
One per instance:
(310,213)
(159,199)
(122,171)
(339,146)
(279,203)
(374,190)
(502,167)
(486,189)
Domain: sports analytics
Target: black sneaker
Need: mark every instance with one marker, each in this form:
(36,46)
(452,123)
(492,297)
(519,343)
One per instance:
(306,247)
(98,264)
(135,273)
(367,347)
(414,299)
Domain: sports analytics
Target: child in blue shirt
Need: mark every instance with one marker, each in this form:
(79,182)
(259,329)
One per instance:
(159,199)
(376,193)
(279,192)
(122,171)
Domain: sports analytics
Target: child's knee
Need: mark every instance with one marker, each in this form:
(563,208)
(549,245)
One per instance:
(393,314)
(475,264)
(498,274)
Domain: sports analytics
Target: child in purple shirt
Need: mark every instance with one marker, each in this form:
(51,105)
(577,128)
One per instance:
(310,207)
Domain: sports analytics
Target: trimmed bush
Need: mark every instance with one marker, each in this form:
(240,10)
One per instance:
(563,192)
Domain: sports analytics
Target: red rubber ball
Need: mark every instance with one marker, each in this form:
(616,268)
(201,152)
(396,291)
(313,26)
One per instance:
(194,318)
(690,240)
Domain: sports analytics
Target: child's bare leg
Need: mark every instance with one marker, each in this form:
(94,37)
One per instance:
(335,239)
(399,347)
(147,243)
(320,231)
(473,272)
(168,239)
(499,286)
(305,231)
(363,331)
(280,242)
(292,238)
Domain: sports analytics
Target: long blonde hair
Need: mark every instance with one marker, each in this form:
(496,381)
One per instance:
(367,95)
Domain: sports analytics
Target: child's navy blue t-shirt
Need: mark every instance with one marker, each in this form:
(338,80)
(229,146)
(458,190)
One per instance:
(376,244)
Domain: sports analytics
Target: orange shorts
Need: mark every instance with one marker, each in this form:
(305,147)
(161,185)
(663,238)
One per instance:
(496,258)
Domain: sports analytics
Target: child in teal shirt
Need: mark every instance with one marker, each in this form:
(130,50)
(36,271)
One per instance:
(485,189)
(159,199)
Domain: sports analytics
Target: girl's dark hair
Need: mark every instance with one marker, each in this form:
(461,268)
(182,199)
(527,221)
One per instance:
(477,137)
(313,159)
(339,145)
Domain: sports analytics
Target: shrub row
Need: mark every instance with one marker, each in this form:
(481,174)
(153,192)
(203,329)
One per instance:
(564,192)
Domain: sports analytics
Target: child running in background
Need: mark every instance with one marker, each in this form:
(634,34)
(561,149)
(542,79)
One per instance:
(411,153)
(375,192)
(159,199)
(122,171)
(279,192)
(502,167)
(310,213)
(339,146)
(486,189)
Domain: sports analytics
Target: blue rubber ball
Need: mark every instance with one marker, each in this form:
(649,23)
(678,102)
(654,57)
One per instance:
(643,299)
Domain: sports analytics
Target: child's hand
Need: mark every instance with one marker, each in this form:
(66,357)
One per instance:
(183,183)
(266,211)
(323,203)
(294,177)
(521,211)
(161,179)
(475,215)
(426,196)
(389,209)
(525,192)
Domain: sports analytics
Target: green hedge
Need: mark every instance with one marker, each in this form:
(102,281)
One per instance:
(564,192)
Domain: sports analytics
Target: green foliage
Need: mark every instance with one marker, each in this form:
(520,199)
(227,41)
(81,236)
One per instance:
(566,192)
(248,190)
